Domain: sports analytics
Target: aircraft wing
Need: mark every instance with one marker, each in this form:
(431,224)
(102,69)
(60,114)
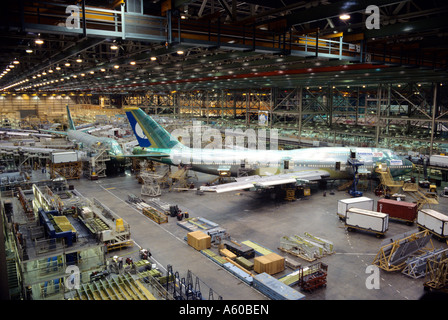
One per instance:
(55,132)
(265,182)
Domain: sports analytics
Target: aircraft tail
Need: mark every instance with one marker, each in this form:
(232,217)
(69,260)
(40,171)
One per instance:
(148,132)
(71,125)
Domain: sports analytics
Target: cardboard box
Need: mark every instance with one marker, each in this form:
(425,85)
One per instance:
(199,240)
(271,264)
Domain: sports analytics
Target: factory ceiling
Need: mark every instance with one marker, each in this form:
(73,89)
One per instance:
(136,46)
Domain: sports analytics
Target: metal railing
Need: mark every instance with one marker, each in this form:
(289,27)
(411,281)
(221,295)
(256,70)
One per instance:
(44,16)
(41,16)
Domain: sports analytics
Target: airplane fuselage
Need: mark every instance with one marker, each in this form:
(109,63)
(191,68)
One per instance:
(334,160)
(89,141)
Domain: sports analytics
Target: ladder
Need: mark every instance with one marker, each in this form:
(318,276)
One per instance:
(179,178)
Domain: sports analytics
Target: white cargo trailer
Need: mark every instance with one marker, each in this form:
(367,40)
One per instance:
(367,220)
(64,157)
(434,221)
(359,202)
(438,161)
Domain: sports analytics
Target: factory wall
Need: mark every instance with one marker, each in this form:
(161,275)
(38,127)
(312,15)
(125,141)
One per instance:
(40,108)
(16,107)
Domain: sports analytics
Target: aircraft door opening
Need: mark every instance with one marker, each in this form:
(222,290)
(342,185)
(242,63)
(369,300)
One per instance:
(337,166)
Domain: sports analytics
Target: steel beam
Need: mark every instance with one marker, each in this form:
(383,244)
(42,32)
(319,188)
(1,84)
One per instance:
(433,119)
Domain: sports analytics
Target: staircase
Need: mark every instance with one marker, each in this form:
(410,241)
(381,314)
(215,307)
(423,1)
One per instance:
(13,280)
(420,196)
(95,167)
(388,184)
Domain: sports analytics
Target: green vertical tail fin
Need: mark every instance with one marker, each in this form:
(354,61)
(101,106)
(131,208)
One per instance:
(148,132)
(71,125)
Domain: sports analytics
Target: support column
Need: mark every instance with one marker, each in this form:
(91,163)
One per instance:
(247,109)
(300,109)
(357,106)
(378,114)
(433,119)
(330,105)
(389,95)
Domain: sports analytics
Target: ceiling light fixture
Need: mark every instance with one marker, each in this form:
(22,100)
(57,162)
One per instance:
(132,63)
(344,16)
(113,47)
(116,66)
(153,58)
(67,64)
(39,41)
(180,52)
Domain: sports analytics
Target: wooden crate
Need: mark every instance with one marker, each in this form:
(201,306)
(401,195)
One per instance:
(271,264)
(199,240)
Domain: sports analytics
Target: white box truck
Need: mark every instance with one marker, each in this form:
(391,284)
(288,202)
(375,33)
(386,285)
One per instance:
(359,202)
(434,221)
(367,220)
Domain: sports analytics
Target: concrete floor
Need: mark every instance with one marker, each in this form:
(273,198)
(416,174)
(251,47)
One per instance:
(252,216)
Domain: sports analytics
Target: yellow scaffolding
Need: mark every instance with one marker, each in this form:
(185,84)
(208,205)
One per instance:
(421,197)
(391,256)
(437,274)
(388,184)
